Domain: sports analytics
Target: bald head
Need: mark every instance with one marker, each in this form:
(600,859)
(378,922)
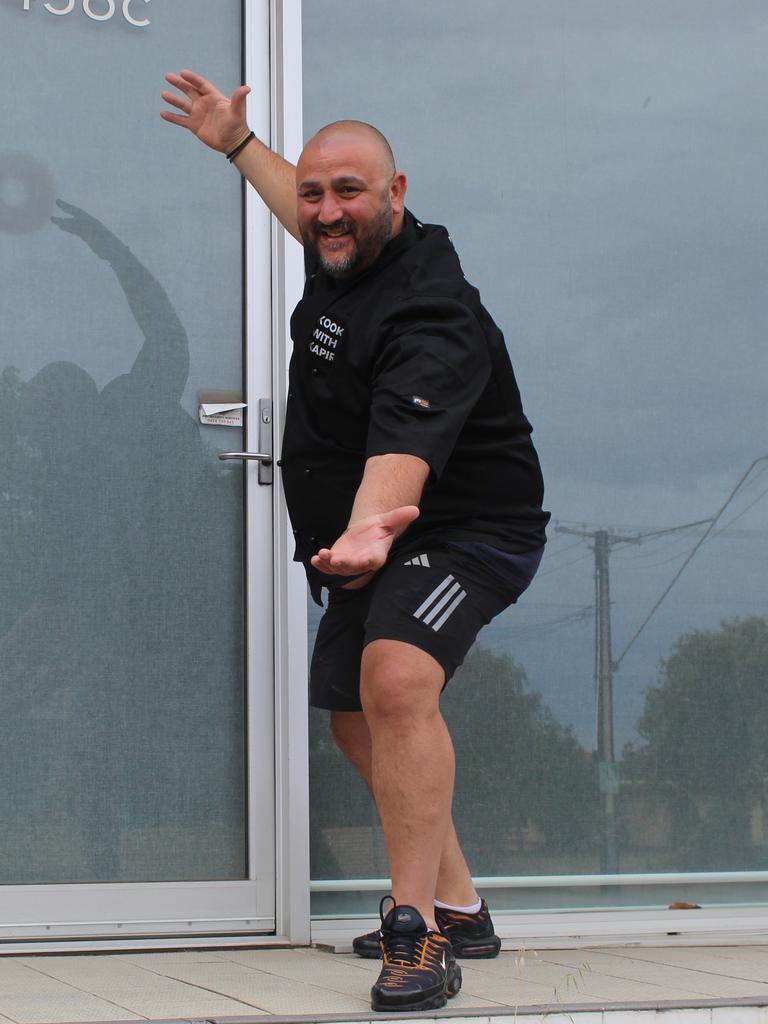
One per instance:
(363,134)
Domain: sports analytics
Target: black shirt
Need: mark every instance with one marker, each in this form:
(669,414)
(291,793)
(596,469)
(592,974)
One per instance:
(404,359)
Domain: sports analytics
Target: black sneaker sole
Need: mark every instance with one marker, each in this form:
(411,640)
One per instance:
(452,988)
(471,949)
(477,949)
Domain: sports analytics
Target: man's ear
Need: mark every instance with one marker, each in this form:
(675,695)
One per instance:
(397,189)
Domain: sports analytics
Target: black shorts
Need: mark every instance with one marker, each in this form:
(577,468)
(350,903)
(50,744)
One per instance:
(437,599)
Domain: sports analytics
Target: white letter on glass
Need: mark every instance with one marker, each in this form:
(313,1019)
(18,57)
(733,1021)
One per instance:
(129,17)
(56,10)
(99,17)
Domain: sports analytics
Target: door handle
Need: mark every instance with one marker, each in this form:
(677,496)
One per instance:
(264,455)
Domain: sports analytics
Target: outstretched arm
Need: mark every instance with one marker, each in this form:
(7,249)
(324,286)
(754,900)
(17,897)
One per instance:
(219,121)
(163,359)
(386,503)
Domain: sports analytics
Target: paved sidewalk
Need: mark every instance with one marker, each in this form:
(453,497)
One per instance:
(718,985)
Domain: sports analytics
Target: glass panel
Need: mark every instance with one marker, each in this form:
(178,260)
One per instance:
(600,172)
(121,709)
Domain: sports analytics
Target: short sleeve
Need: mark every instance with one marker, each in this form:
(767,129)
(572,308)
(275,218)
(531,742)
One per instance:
(432,367)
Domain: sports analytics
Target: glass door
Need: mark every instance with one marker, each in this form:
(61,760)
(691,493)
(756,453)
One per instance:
(136,725)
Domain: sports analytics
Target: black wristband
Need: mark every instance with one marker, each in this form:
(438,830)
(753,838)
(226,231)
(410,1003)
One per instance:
(240,146)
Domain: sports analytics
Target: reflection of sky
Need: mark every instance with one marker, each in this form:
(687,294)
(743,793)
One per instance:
(601,170)
(93,120)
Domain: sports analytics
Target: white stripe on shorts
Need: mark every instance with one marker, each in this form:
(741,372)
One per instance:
(433,596)
(450,593)
(451,609)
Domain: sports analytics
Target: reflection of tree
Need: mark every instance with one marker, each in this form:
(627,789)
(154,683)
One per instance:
(525,792)
(121,703)
(705,763)
(525,789)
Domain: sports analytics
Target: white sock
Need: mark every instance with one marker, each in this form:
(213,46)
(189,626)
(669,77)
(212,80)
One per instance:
(473,908)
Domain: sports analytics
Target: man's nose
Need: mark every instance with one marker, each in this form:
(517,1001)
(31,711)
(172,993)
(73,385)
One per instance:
(330,209)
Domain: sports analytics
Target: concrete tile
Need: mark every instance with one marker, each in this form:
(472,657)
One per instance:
(272,992)
(575,982)
(203,956)
(304,966)
(333,977)
(28,997)
(467,1001)
(759,952)
(61,1009)
(520,993)
(702,959)
(667,977)
(135,989)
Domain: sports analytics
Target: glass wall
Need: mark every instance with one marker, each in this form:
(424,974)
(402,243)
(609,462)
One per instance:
(121,598)
(600,168)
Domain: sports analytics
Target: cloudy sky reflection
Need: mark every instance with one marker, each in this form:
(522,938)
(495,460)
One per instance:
(601,168)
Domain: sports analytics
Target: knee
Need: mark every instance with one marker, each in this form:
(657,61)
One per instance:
(399,686)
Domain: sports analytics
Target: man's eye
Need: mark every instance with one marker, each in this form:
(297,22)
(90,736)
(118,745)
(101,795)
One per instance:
(350,190)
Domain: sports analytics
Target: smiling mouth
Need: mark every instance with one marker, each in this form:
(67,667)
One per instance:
(334,232)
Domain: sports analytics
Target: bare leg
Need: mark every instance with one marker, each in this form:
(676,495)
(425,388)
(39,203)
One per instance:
(411,768)
(454,881)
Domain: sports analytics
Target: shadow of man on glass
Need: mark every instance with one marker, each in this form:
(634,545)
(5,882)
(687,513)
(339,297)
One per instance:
(121,679)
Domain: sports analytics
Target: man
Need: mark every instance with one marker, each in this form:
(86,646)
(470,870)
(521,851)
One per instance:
(415,495)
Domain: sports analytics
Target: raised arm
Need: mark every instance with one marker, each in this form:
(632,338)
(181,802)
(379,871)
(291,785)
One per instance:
(219,121)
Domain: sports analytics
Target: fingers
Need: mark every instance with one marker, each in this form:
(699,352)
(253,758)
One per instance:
(322,561)
(68,207)
(180,83)
(181,103)
(335,565)
(174,118)
(175,100)
(191,78)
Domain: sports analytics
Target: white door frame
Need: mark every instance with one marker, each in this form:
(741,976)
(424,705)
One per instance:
(291,710)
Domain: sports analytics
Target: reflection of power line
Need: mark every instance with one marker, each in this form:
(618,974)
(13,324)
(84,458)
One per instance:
(563,565)
(681,570)
(722,530)
(603,540)
(551,625)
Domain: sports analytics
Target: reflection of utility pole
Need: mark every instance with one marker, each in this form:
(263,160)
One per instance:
(605,666)
(606,755)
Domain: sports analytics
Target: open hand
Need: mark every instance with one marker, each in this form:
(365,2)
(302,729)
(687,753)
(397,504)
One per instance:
(217,120)
(364,547)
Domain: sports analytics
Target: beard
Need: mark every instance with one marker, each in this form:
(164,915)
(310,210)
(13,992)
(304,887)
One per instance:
(368,243)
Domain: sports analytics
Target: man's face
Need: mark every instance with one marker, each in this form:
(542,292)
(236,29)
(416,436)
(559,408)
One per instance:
(345,207)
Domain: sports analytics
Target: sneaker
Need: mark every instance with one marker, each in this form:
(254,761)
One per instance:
(419,971)
(471,935)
